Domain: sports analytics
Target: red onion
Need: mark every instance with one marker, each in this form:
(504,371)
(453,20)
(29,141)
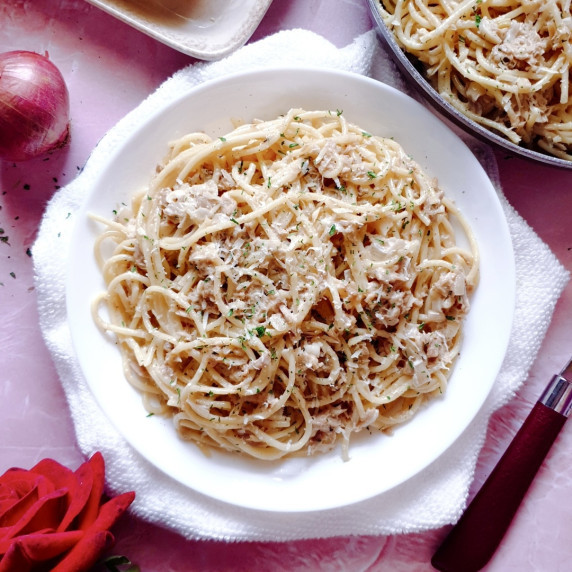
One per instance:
(34,106)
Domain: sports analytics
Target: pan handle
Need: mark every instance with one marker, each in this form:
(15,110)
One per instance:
(474,539)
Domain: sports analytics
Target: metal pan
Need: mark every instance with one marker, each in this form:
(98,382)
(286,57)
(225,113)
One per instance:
(407,65)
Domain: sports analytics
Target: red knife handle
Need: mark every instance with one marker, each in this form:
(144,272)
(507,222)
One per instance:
(474,539)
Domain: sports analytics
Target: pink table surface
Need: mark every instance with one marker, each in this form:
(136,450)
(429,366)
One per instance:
(110,68)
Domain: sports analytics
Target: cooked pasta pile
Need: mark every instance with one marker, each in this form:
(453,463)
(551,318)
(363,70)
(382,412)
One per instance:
(503,63)
(284,286)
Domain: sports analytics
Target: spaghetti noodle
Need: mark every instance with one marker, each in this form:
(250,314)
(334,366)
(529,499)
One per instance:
(284,286)
(503,63)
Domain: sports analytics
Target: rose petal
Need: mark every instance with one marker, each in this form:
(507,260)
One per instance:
(60,476)
(6,543)
(16,480)
(7,500)
(97,537)
(79,485)
(86,552)
(112,510)
(78,496)
(27,550)
(17,484)
(15,560)
(46,513)
(96,466)
(14,512)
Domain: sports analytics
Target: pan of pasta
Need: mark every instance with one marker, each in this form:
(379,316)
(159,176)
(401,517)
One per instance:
(291,287)
(498,69)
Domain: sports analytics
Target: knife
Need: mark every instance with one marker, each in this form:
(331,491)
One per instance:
(473,540)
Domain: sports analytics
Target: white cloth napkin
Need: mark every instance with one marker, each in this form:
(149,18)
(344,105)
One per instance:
(434,497)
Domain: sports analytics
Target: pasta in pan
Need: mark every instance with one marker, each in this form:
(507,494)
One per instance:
(503,63)
(289,284)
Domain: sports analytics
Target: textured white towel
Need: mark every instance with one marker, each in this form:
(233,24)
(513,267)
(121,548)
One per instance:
(431,499)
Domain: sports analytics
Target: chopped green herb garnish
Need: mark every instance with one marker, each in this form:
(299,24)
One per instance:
(260,331)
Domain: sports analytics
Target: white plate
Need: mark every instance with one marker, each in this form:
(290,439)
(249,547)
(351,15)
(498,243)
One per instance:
(378,462)
(204,29)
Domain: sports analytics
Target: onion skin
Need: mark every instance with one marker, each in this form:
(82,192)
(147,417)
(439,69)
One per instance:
(34,106)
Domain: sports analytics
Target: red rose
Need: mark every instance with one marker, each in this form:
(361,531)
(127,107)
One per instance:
(52,518)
